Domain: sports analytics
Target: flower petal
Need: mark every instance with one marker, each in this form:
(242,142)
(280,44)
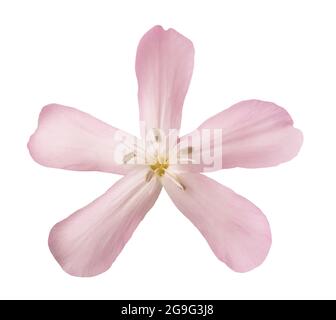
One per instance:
(252,134)
(236,230)
(87,242)
(70,139)
(164,65)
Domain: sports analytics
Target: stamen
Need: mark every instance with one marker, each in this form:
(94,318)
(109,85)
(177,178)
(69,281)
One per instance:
(149,175)
(157,135)
(160,172)
(134,146)
(159,162)
(159,168)
(134,150)
(173,177)
(127,157)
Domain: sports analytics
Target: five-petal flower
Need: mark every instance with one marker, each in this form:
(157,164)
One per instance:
(249,134)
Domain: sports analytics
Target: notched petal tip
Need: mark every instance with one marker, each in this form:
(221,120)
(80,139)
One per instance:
(67,138)
(33,147)
(164,64)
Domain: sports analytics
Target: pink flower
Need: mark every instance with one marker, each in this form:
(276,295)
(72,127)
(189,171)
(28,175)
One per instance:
(249,134)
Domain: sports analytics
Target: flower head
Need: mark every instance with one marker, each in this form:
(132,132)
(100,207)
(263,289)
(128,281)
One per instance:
(249,134)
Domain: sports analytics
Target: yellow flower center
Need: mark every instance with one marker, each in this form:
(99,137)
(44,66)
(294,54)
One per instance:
(159,167)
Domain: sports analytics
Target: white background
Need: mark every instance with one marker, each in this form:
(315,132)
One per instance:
(81,54)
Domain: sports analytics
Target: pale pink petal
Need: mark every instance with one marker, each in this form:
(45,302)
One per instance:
(164,65)
(70,139)
(236,230)
(86,243)
(253,134)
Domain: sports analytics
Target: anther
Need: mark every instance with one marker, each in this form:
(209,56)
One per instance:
(127,157)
